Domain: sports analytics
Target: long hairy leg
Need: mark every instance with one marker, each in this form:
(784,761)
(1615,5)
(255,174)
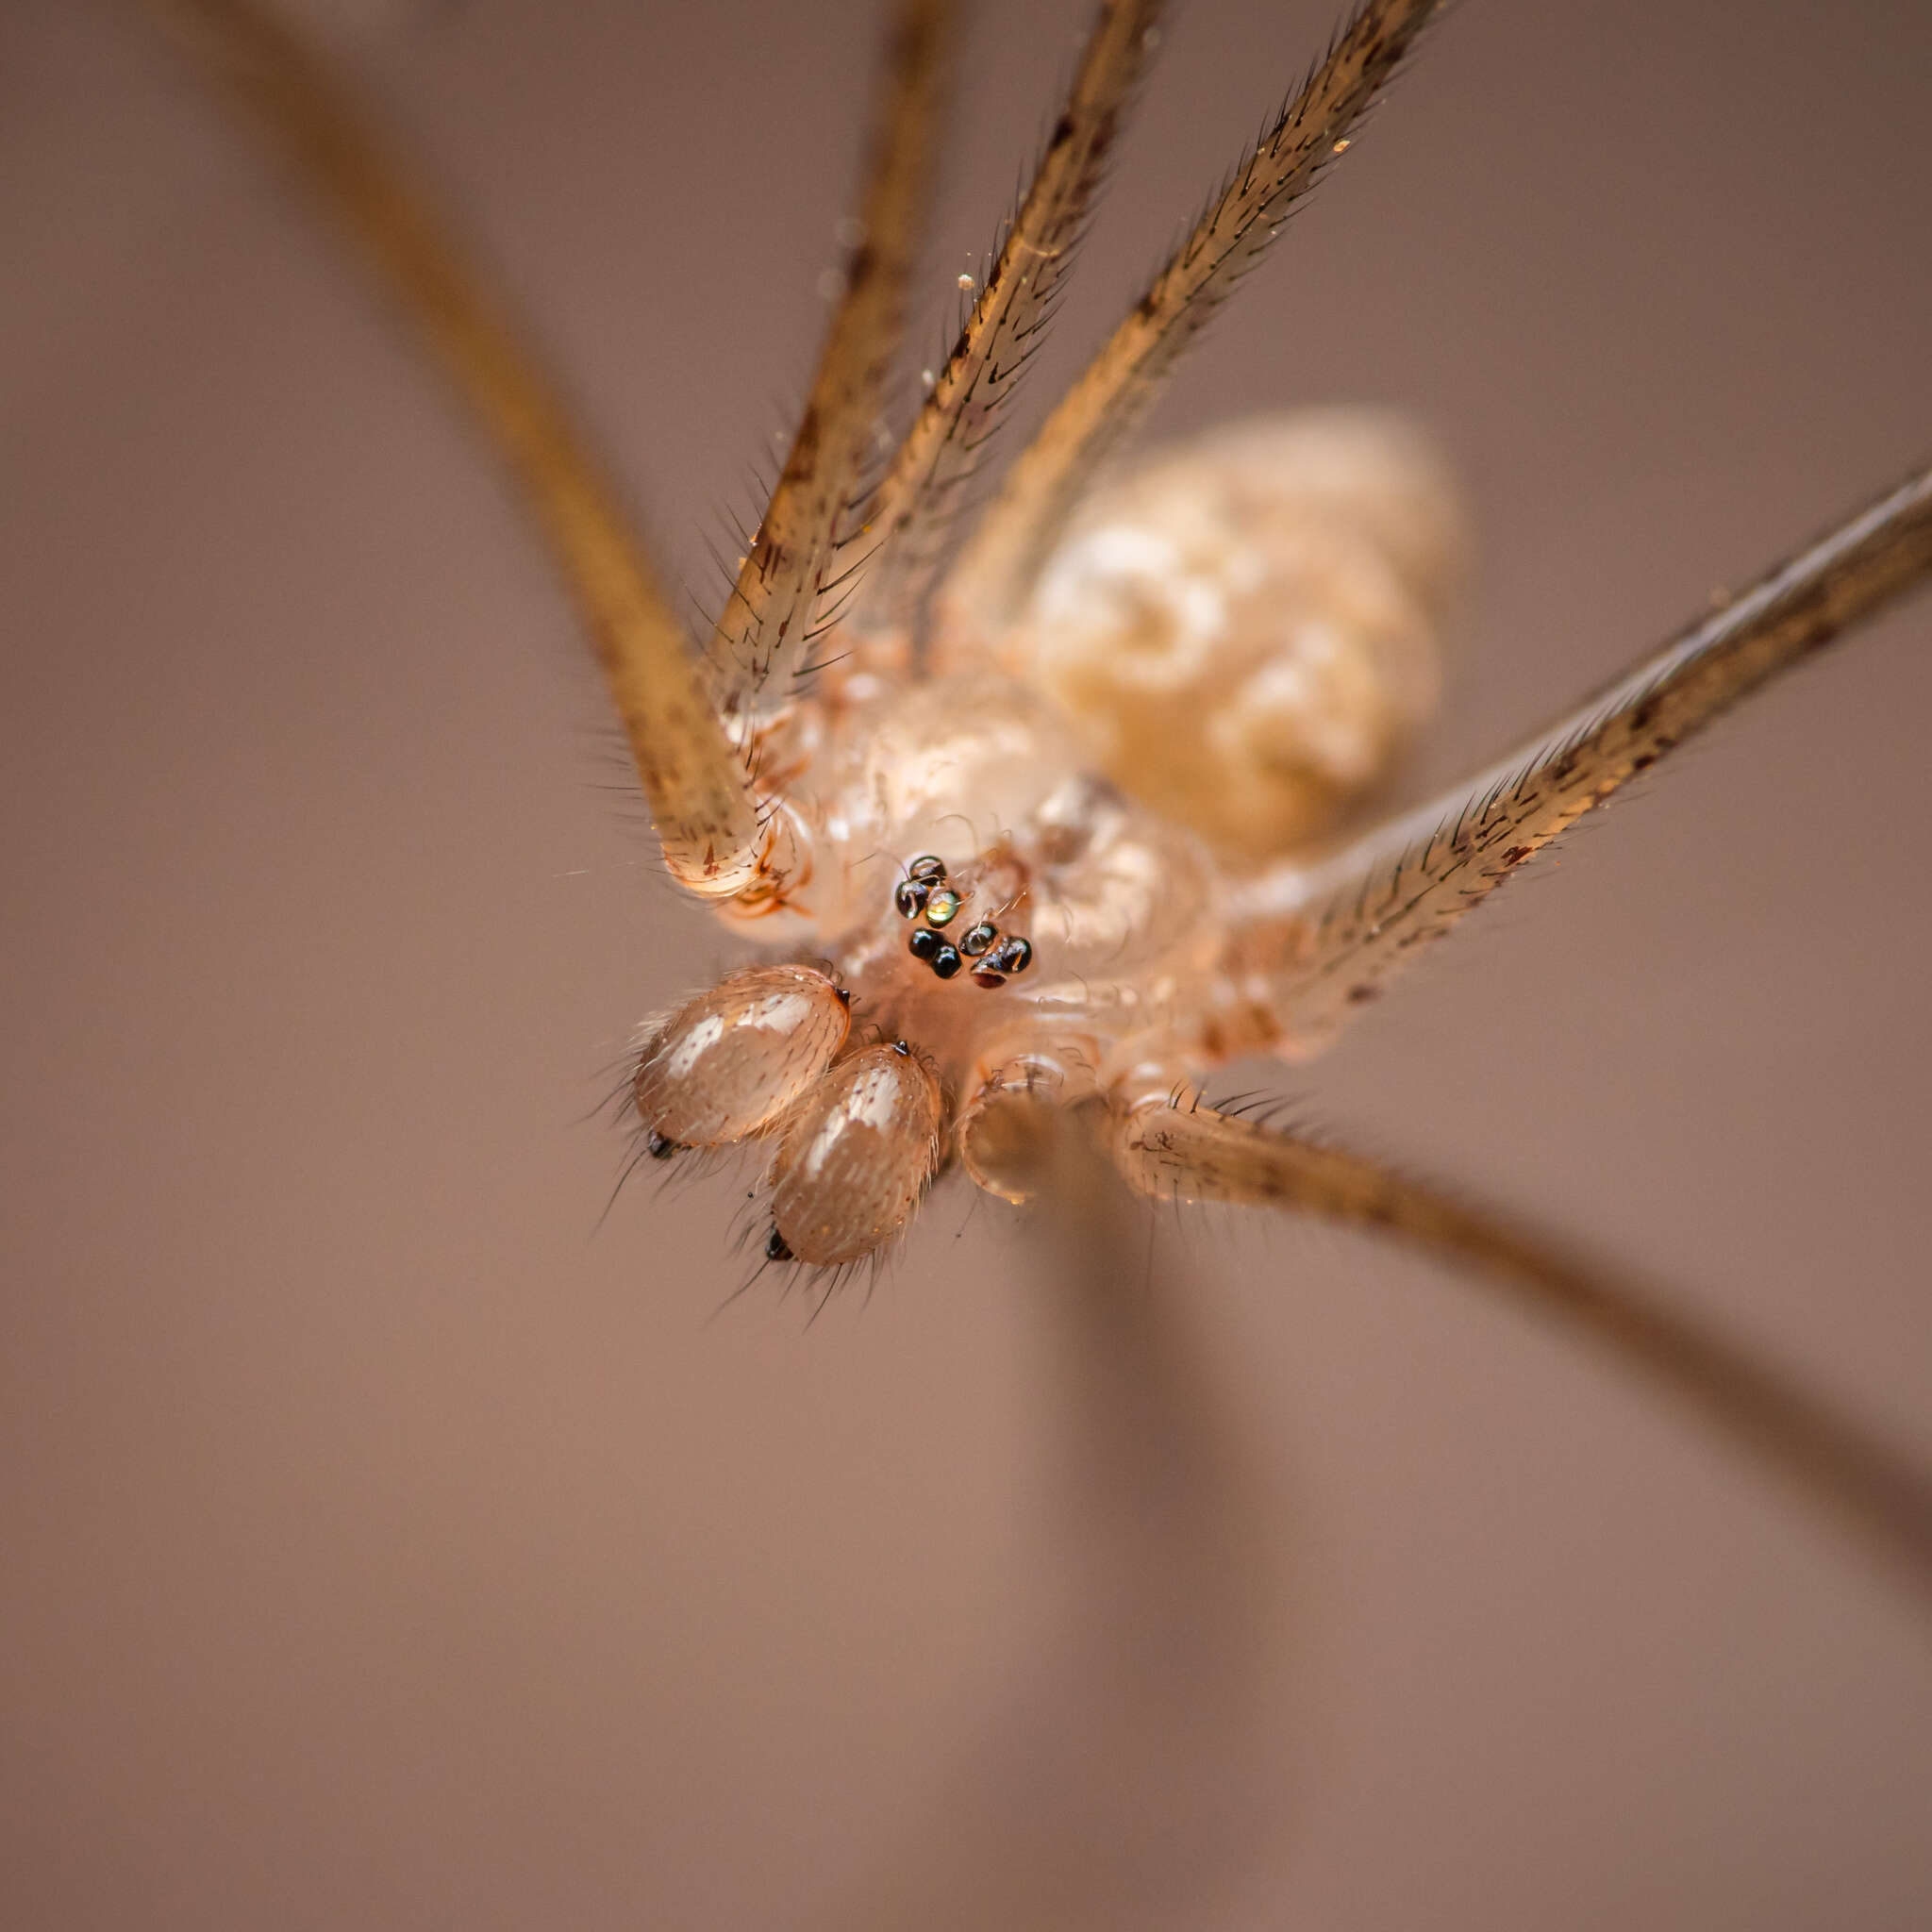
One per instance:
(913,515)
(997,569)
(1315,942)
(1170,1150)
(694,780)
(762,640)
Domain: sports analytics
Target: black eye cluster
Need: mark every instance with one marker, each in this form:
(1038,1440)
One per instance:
(925,890)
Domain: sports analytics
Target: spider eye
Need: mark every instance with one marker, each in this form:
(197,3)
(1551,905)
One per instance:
(855,1156)
(941,905)
(910,898)
(925,944)
(928,869)
(979,939)
(728,1062)
(1014,956)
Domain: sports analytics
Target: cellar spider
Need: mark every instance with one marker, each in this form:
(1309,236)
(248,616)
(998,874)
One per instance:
(1491,955)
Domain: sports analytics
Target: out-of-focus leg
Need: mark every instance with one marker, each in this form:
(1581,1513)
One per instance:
(763,639)
(694,780)
(1185,1152)
(911,519)
(997,570)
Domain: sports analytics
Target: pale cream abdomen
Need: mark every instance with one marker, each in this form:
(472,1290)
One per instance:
(1245,627)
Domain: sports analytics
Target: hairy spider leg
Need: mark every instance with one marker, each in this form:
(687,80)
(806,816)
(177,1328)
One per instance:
(694,780)
(1312,943)
(913,515)
(763,638)
(1172,1150)
(1003,559)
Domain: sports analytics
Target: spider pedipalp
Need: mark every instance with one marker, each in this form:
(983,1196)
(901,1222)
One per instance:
(855,1154)
(727,1064)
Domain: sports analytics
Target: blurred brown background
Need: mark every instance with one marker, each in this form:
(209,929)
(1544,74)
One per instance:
(384,1542)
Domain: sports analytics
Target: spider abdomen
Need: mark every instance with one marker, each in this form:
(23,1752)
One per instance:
(1244,629)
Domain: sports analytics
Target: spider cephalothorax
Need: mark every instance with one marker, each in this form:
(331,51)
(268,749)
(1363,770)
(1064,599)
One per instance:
(1051,811)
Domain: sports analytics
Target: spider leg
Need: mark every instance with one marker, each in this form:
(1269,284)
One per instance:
(764,634)
(912,515)
(699,792)
(995,572)
(1313,941)
(1172,1150)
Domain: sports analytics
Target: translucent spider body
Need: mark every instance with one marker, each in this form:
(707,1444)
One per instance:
(383,1549)
(1117,726)
(1279,591)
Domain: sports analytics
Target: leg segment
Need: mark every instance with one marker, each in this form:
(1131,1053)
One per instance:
(1176,1152)
(762,638)
(1313,941)
(997,570)
(913,515)
(699,794)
